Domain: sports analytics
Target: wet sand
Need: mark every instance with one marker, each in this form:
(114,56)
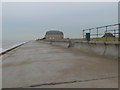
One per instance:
(36,63)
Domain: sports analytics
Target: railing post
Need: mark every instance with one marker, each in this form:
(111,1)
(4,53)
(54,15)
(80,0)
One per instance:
(119,32)
(90,33)
(114,35)
(89,30)
(97,34)
(83,34)
(106,32)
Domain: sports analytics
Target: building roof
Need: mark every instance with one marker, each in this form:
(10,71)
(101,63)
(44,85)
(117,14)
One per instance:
(54,32)
(108,35)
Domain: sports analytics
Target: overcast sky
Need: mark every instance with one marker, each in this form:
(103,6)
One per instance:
(28,21)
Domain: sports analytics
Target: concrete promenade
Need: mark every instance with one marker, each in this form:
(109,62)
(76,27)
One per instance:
(41,65)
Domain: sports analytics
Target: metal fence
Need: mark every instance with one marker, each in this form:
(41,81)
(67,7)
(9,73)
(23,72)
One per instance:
(103,33)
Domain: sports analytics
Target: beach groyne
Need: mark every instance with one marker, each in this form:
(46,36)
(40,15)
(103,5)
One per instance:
(109,49)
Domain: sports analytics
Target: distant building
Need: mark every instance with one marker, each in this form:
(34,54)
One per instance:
(108,35)
(54,35)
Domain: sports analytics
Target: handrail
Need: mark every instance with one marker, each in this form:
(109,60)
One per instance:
(106,29)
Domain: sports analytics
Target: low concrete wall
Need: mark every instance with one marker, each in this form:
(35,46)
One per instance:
(60,43)
(101,48)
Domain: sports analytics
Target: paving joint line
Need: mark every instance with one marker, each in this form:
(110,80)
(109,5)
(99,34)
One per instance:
(68,82)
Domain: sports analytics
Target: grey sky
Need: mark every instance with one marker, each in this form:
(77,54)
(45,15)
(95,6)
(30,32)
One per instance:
(26,21)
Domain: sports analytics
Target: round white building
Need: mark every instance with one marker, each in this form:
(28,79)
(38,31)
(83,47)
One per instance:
(54,35)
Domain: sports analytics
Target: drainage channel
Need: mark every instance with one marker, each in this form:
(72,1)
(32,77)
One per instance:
(68,82)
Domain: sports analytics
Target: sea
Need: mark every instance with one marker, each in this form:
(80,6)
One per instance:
(7,44)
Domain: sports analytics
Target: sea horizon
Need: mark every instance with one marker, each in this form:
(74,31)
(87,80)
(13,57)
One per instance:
(7,44)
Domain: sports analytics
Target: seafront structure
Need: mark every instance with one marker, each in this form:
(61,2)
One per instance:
(54,63)
(38,64)
(54,35)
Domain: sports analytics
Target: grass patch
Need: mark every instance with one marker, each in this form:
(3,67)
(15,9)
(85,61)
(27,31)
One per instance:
(96,39)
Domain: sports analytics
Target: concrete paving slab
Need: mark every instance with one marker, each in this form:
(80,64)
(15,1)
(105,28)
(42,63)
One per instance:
(38,62)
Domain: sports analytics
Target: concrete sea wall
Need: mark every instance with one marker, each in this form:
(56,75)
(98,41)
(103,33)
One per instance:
(109,49)
(60,43)
(12,48)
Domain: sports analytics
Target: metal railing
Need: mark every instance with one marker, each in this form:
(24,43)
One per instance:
(103,33)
